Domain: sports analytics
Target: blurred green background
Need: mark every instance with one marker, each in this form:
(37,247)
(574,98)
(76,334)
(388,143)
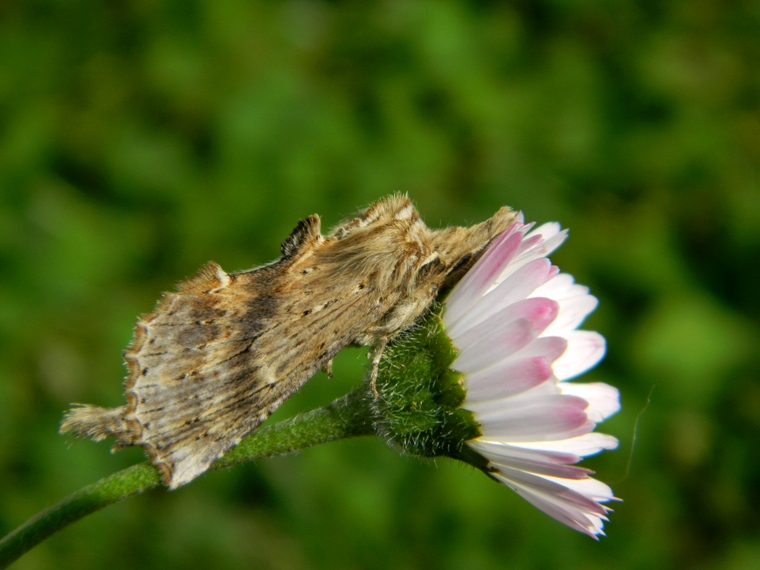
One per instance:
(139,140)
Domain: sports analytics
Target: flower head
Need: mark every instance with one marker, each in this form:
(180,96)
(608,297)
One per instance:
(483,378)
(513,320)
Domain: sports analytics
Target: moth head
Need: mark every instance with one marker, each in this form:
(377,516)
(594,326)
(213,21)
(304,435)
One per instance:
(459,248)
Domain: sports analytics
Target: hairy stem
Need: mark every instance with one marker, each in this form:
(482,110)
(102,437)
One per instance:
(349,416)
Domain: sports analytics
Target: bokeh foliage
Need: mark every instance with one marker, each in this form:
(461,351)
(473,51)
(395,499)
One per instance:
(140,139)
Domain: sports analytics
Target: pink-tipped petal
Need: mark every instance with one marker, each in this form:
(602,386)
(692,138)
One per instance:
(549,347)
(539,312)
(496,347)
(557,417)
(508,378)
(482,275)
(517,288)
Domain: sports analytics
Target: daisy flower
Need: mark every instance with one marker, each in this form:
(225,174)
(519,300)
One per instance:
(513,321)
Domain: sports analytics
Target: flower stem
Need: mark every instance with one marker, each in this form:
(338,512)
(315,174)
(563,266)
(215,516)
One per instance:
(349,416)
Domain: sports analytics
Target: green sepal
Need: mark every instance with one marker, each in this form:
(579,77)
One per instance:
(417,410)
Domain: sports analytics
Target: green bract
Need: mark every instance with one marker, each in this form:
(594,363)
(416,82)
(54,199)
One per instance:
(419,397)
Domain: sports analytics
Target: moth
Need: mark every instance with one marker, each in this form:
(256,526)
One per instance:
(220,354)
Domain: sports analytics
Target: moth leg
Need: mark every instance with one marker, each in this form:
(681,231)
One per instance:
(327,368)
(377,354)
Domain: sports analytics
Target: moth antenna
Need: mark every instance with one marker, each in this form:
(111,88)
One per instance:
(94,422)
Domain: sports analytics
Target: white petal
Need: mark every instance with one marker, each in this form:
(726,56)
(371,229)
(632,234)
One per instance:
(549,347)
(555,471)
(584,445)
(495,347)
(535,244)
(558,501)
(482,275)
(541,394)
(517,288)
(527,251)
(584,350)
(539,312)
(539,465)
(559,287)
(552,236)
(591,488)
(557,489)
(547,230)
(494,450)
(572,312)
(603,399)
(553,242)
(558,417)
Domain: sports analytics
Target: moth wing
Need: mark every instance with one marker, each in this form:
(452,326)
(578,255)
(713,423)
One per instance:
(195,404)
(221,354)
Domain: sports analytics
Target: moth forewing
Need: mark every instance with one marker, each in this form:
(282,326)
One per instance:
(217,357)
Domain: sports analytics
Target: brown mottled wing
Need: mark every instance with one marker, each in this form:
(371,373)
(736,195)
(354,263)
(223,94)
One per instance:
(219,356)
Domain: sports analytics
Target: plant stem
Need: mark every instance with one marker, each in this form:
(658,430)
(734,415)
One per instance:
(349,416)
